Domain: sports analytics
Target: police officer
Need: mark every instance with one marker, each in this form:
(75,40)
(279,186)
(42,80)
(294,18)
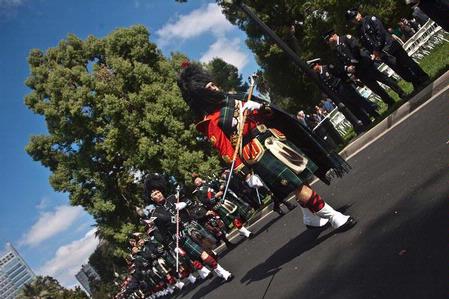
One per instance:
(337,80)
(382,46)
(357,61)
(437,10)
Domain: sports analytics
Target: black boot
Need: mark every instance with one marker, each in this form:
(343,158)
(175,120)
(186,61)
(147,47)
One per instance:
(228,243)
(279,210)
(277,207)
(290,206)
(401,93)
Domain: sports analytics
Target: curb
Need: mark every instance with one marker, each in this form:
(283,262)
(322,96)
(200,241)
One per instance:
(397,115)
(441,83)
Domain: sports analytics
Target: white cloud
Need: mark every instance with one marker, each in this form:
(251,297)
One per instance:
(229,50)
(43,204)
(50,224)
(206,19)
(9,8)
(69,258)
(10,3)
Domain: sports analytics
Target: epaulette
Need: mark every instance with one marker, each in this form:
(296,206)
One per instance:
(202,123)
(348,36)
(373,18)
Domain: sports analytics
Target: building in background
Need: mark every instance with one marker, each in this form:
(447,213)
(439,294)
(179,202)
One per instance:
(14,273)
(86,275)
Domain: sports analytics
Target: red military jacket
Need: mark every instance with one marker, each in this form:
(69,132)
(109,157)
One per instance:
(225,143)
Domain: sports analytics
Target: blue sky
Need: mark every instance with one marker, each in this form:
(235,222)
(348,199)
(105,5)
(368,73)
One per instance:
(53,237)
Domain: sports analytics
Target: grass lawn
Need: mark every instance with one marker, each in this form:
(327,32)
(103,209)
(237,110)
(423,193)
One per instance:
(435,64)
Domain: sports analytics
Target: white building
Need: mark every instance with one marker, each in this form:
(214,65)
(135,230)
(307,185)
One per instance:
(85,275)
(14,273)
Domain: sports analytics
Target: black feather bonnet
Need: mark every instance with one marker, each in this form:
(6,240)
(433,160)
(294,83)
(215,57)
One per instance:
(154,181)
(192,81)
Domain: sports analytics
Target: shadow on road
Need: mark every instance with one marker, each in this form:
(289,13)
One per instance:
(294,248)
(255,234)
(403,254)
(204,288)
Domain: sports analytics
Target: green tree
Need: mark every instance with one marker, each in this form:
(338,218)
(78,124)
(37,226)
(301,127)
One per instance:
(113,111)
(103,289)
(226,76)
(76,293)
(106,264)
(46,287)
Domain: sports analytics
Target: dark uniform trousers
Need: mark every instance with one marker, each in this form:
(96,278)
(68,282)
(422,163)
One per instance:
(398,60)
(370,76)
(350,53)
(358,105)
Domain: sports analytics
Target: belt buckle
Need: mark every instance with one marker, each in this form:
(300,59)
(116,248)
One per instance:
(262,128)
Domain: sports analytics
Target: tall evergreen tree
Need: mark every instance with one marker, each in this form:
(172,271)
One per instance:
(226,76)
(113,111)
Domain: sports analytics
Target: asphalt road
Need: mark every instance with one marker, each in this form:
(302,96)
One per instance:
(397,190)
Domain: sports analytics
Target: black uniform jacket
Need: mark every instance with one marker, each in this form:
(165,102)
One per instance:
(333,76)
(166,218)
(350,53)
(437,10)
(373,35)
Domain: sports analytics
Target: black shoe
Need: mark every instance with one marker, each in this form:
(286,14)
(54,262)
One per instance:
(279,211)
(290,206)
(228,243)
(318,227)
(421,85)
(348,225)
(404,96)
(375,114)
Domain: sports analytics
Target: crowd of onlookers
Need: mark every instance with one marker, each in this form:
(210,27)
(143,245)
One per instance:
(406,28)
(311,119)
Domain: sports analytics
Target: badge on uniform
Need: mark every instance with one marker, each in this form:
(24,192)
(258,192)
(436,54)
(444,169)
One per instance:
(173,219)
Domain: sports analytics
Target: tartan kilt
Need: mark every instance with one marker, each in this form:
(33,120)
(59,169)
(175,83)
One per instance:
(197,239)
(279,178)
(227,217)
(244,210)
(193,249)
